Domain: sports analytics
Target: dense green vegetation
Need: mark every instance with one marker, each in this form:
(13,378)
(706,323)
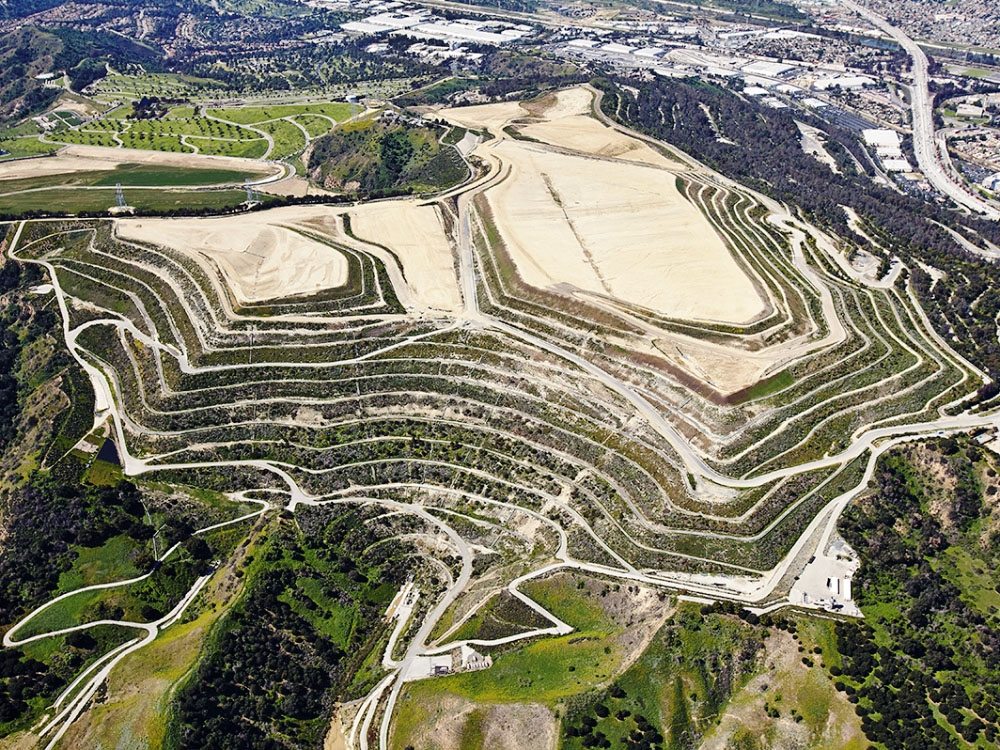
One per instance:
(504,73)
(33,557)
(719,676)
(685,676)
(922,668)
(438,92)
(62,530)
(84,55)
(307,66)
(377,155)
(501,616)
(310,614)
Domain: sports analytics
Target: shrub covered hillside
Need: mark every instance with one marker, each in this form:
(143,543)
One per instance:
(377,155)
(30,51)
(922,669)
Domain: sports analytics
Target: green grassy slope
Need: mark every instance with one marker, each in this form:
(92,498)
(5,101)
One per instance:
(372,155)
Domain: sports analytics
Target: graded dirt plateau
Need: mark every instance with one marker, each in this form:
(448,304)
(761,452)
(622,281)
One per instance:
(269,255)
(564,120)
(616,229)
(416,235)
(260,258)
(600,212)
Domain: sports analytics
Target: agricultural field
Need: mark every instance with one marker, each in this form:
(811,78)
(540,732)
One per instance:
(582,446)
(124,174)
(84,179)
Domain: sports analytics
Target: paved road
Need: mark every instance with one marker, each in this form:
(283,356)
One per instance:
(924,145)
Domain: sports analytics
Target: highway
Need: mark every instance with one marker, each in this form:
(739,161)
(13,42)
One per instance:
(924,144)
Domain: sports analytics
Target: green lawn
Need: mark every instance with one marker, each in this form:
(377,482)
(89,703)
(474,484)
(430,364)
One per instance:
(766,387)
(249,149)
(75,201)
(109,562)
(86,138)
(182,112)
(165,134)
(550,669)
(183,130)
(103,472)
(26,146)
(545,671)
(154,176)
(63,614)
(153,142)
(288,139)
(315,125)
(454,135)
(560,595)
(132,175)
(338,111)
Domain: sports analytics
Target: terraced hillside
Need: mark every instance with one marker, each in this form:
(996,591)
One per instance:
(583,424)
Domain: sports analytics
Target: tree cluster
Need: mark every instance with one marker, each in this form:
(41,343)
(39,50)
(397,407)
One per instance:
(942,653)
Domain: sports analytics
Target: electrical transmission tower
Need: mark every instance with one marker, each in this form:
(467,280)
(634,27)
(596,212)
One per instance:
(119,196)
(252,196)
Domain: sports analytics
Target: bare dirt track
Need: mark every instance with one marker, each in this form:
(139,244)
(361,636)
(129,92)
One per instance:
(96,158)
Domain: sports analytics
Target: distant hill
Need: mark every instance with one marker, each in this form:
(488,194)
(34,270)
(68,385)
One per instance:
(31,51)
(24,54)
